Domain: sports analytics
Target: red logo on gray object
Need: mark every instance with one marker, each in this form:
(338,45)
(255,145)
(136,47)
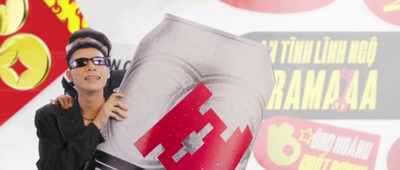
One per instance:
(185,129)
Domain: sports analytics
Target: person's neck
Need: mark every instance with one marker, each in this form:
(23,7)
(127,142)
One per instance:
(91,103)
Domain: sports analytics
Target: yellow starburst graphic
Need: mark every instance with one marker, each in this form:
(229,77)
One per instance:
(306,135)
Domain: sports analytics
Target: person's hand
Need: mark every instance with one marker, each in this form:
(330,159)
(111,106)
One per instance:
(112,108)
(65,101)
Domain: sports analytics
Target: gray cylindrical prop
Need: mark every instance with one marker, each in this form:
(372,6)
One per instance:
(197,97)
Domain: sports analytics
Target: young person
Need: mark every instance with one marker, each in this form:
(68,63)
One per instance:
(116,76)
(68,138)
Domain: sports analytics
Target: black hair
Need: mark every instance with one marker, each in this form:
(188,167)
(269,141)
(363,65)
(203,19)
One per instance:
(84,44)
(94,34)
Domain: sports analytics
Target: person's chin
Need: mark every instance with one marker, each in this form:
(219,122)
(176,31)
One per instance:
(94,88)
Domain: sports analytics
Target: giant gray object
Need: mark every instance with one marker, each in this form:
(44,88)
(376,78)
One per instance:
(169,63)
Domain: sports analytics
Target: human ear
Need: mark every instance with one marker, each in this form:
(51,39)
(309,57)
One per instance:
(69,76)
(108,72)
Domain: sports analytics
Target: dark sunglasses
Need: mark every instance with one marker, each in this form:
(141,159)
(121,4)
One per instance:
(82,62)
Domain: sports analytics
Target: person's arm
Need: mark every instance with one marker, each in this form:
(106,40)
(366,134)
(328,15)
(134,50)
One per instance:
(113,108)
(54,152)
(65,99)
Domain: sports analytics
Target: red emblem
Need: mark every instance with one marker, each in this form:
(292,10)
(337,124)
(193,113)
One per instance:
(182,130)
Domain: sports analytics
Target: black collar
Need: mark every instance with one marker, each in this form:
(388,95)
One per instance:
(70,120)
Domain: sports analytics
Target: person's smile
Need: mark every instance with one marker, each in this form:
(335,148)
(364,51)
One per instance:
(92,78)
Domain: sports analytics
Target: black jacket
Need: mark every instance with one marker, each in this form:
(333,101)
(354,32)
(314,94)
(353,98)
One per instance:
(64,141)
